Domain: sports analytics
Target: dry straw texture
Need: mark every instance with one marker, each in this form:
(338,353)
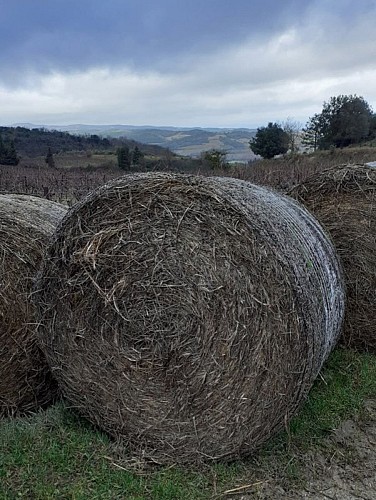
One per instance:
(344,201)
(188,316)
(26,224)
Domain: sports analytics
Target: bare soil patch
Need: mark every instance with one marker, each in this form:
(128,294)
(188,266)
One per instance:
(343,468)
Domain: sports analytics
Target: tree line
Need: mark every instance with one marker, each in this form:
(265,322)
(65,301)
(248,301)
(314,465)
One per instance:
(24,142)
(344,120)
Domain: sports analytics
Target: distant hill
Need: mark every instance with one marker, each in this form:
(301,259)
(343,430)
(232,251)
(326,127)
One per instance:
(32,141)
(181,140)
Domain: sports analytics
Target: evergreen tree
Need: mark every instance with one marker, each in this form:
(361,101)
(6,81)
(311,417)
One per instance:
(124,158)
(270,141)
(216,159)
(344,120)
(8,153)
(372,127)
(50,159)
(137,156)
(2,149)
(350,121)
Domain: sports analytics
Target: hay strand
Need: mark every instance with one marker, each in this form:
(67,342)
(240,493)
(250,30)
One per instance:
(188,316)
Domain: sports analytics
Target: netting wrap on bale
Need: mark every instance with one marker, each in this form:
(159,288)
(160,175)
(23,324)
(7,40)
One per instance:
(343,199)
(26,224)
(188,316)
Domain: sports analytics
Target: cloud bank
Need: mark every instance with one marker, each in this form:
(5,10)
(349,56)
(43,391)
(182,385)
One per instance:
(213,63)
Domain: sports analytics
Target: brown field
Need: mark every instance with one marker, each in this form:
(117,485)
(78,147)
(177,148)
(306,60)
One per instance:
(77,173)
(63,185)
(285,172)
(74,160)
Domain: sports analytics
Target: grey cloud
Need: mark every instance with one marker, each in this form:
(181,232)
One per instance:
(67,35)
(232,75)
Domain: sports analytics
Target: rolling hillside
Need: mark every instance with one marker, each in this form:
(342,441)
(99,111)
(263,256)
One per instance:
(182,141)
(31,141)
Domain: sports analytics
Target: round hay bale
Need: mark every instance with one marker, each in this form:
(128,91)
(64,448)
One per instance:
(188,316)
(26,224)
(343,199)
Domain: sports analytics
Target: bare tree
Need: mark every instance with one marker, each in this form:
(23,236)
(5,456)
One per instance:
(293,129)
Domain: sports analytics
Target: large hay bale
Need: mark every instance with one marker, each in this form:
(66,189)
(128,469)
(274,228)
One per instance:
(188,316)
(26,224)
(343,199)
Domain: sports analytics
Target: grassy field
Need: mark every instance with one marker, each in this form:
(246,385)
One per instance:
(56,454)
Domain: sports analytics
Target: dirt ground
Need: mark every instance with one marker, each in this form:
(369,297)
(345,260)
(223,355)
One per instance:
(344,468)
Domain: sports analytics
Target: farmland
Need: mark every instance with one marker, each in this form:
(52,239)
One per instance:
(77,173)
(56,454)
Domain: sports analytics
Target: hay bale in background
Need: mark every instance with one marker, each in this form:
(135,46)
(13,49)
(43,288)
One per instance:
(188,316)
(343,199)
(26,224)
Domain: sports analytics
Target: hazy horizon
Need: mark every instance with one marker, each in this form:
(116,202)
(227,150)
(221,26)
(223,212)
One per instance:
(93,125)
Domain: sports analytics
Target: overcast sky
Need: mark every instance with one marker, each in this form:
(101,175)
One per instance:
(205,63)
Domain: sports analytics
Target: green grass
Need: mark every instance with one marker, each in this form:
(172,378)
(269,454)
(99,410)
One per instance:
(348,380)
(55,454)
